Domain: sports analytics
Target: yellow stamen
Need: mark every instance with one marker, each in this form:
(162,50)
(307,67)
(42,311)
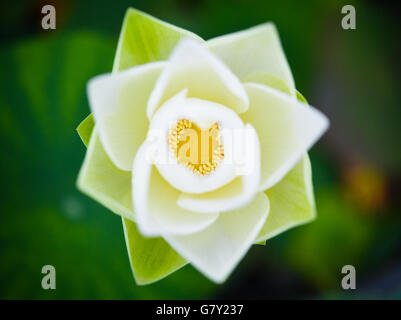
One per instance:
(199,150)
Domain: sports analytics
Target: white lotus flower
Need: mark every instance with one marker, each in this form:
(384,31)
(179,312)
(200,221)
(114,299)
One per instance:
(203,137)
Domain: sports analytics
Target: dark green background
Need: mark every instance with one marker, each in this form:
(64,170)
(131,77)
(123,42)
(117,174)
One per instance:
(352,75)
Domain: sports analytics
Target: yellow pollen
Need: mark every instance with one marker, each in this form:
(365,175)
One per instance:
(199,150)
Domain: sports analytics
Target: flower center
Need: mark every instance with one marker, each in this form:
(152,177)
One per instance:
(199,150)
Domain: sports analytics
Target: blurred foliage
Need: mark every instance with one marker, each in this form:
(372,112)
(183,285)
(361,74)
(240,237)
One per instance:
(45,220)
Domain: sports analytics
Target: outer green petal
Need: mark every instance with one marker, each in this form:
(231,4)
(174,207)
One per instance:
(146,39)
(85,129)
(100,179)
(151,258)
(291,201)
(143,39)
(255,50)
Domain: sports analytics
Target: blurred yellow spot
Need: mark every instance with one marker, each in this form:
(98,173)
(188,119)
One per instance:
(366,186)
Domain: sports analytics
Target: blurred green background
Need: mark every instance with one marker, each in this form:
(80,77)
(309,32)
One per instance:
(352,75)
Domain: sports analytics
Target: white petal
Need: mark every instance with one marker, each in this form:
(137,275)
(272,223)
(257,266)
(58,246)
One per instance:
(255,50)
(204,114)
(232,196)
(286,129)
(216,250)
(118,102)
(192,66)
(154,201)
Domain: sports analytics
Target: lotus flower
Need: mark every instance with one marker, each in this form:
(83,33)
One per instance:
(200,146)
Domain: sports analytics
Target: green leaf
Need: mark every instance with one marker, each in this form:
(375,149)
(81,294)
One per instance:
(143,39)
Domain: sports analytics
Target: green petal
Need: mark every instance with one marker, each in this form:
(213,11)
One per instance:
(301,98)
(85,129)
(98,171)
(146,39)
(142,39)
(151,258)
(291,201)
(100,179)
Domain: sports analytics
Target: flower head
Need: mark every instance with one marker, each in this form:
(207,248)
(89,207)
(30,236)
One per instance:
(200,146)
